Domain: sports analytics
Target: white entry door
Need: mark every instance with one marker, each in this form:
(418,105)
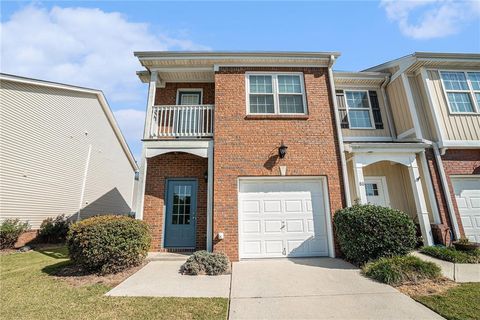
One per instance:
(282,218)
(467,195)
(377,192)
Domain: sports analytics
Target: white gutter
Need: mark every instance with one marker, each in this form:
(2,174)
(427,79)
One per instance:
(446,191)
(331,80)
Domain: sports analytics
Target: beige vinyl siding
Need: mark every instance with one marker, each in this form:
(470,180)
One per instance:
(385,132)
(455,126)
(398,184)
(399,106)
(421,106)
(44,141)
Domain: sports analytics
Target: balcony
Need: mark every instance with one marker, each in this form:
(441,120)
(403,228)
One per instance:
(176,121)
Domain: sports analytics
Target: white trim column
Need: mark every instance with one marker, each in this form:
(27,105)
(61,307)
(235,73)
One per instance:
(420,202)
(152,89)
(430,191)
(210,198)
(359,180)
(142,178)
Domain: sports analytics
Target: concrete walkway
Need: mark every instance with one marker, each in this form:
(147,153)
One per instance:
(316,288)
(161,278)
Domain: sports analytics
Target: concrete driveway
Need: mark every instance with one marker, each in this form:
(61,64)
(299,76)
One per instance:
(315,288)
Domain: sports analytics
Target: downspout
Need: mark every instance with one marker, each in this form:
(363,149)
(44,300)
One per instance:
(343,161)
(84,181)
(446,190)
(393,130)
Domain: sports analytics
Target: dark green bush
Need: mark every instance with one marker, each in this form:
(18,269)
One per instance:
(108,244)
(401,269)
(10,230)
(54,230)
(203,262)
(452,255)
(368,232)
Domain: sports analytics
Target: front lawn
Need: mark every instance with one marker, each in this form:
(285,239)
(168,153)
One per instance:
(452,255)
(458,303)
(28,291)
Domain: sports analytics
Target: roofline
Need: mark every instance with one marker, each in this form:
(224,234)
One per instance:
(232,54)
(101,97)
(361,74)
(421,55)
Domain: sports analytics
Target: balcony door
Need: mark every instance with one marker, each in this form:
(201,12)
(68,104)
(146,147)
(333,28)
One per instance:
(190,116)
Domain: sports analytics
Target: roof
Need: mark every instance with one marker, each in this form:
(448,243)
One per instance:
(201,64)
(98,93)
(431,59)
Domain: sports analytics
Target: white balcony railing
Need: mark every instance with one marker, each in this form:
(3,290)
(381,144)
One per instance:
(182,121)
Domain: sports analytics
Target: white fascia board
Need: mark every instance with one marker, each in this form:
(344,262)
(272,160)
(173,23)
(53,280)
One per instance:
(388,147)
(366,139)
(460,144)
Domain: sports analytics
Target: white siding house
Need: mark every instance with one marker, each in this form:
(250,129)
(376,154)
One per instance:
(61,152)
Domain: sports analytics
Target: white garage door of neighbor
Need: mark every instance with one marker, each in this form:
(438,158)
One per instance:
(467,194)
(282,218)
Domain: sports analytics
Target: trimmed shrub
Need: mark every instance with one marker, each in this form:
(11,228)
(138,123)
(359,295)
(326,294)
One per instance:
(452,255)
(368,232)
(203,262)
(54,230)
(10,230)
(108,244)
(401,269)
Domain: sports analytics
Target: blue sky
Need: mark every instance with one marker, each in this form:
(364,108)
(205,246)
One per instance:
(91,43)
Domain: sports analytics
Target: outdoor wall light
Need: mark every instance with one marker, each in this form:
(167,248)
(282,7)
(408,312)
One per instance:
(205,175)
(282,151)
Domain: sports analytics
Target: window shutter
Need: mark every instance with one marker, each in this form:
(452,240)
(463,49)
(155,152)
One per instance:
(377,116)
(342,109)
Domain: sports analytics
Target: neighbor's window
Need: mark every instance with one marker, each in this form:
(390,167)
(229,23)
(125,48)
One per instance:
(462,90)
(276,94)
(358,109)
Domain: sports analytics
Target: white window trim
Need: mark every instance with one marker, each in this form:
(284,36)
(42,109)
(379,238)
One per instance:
(470,91)
(177,98)
(275,92)
(372,120)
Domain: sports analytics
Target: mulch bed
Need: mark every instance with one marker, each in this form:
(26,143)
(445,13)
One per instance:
(78,277)
(427,287)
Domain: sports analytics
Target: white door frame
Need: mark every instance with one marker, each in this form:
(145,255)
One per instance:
(326,201)
(383,180)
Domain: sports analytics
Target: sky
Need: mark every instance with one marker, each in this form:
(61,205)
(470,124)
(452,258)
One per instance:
(91,43)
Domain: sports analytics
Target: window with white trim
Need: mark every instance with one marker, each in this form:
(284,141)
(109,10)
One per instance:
(359,109)
(462,90)
(276,94)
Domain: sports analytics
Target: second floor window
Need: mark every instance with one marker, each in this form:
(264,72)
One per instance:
(276,94)
(359,109)
(462,90)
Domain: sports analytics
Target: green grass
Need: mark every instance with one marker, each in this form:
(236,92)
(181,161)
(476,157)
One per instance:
(27,291)
(452,255)
(459,303)
(401,269)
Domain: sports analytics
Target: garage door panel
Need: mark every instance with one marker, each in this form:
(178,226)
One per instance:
(273,226)
(467,196)
(294,226)
(291,218)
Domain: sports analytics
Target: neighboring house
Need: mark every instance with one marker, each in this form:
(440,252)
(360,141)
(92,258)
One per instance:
(214,174)
(61,153)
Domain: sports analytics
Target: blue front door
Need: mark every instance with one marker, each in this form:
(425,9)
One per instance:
(181,214)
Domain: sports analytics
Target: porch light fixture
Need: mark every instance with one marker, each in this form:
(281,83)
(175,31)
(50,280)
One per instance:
(282,151)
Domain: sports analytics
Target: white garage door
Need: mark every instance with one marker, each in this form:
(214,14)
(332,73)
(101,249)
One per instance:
(467,194)
(282,218)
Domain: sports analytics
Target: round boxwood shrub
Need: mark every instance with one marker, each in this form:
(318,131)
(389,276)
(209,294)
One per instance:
(203,262)
(108,244)
(369,232)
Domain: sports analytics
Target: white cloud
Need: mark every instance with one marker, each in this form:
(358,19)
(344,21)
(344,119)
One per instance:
(83,46)
(131,122)
(86,47)
(427,19)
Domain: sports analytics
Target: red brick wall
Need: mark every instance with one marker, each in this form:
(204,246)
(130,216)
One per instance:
(168,95)
(247,147)
(455,162)
(174,165)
